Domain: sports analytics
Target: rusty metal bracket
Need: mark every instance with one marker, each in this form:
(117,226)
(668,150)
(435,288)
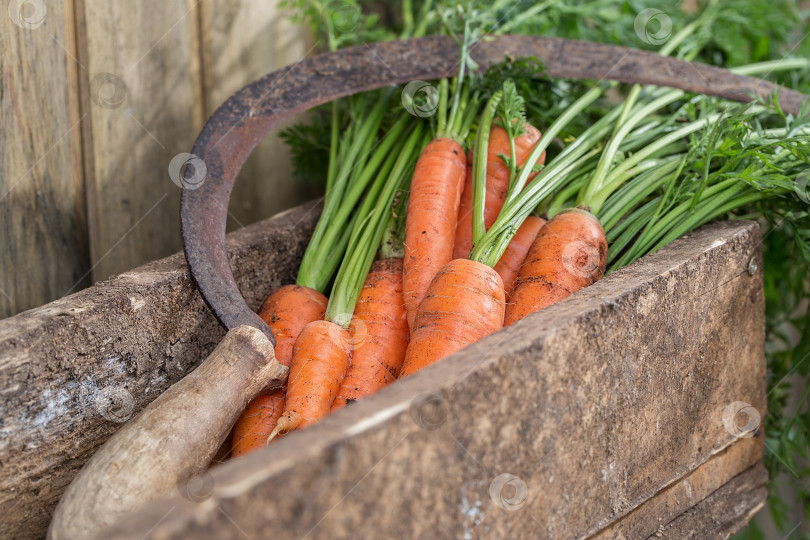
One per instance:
(237,126)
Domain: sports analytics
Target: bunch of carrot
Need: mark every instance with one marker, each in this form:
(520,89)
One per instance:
(476,255)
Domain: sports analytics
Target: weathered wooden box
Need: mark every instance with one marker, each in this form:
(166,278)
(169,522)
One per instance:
(633,408)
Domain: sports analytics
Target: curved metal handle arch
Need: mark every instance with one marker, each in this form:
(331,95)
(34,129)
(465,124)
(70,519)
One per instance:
(238,125)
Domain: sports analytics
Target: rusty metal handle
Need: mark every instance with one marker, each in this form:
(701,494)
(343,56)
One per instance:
(245,118)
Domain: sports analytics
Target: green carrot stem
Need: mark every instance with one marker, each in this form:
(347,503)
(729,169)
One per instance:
(542,185)
(652,174)
(622,234)
(470,114)
(553,130)
(331,173)
(665,222)
(459,80)
(443,93)
(392,245)
(628,118)
(785,64)
(517,20)
(426,17)
(624,128)
(566,194)
(312,271)
(665,199)
(407,17)
(369,229)
(480,166)
(490,249)
(614,179)
(459,120)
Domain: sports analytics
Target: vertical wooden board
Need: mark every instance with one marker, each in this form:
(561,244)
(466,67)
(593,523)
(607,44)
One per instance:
(42,223)
(143,92)
(241,41)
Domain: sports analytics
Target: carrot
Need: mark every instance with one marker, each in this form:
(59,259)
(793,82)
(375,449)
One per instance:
(569,253)
(322,352)
(256,423)
(379,333)
(464,303)
(321,357)
(511,260)
(497,182)
(287,311)
(430,227)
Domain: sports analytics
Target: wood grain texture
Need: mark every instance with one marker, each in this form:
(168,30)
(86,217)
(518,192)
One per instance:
(144,98)
(95,102)
(688,492)
(172,439)
(242,41)
(724,512)
(596,405)
(122,341)
(43,232)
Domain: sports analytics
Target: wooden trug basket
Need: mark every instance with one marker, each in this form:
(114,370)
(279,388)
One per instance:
(609,414)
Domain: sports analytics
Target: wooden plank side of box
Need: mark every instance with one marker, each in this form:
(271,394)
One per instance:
(555,427)
(73,370)
(724,512)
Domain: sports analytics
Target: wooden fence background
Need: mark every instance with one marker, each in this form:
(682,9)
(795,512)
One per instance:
(97,97)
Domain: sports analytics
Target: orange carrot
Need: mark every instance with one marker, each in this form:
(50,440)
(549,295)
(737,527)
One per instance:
(256,423)
(511,260)
(430,227)
(464,303)
(379,332)
(569,253)
(321,357)
(287,311)
(497,182)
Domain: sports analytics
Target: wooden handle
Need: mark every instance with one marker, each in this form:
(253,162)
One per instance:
(172,439)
